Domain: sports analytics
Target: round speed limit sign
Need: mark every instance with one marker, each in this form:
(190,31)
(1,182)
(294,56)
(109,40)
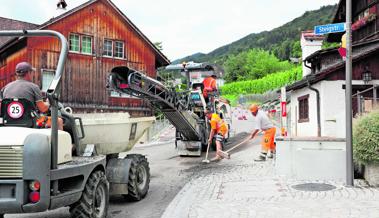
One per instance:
(15,110)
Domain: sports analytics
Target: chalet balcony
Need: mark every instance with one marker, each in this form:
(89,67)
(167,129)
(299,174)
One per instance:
(329,60)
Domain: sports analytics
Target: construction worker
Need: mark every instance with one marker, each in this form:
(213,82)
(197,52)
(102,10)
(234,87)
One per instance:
(219,129)
(210,85)
(22,87)
(262,122)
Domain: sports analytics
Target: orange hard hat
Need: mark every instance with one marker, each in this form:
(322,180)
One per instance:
(253,108)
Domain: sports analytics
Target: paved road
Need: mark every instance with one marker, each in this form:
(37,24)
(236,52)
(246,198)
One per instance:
(242,188)
(169,173)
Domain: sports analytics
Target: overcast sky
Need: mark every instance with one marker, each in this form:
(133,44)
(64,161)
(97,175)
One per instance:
(183,27)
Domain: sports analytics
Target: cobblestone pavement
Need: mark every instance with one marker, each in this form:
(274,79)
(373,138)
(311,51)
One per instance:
(243,188)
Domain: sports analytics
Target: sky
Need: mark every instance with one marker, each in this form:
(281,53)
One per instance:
(183,27)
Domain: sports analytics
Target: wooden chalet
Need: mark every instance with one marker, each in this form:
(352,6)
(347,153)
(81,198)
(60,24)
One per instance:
(100,38)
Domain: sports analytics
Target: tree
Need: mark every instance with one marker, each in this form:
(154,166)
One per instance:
(253,64)
(296,50)
(158,45)
(234,67)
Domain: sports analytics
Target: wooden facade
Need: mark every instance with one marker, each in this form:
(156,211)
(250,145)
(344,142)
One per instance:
(84,80)
(365,22)
(365,43)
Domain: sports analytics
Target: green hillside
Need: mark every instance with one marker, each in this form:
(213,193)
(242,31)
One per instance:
(283,41)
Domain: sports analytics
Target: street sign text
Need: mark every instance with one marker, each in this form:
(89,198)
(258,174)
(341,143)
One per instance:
(330,28)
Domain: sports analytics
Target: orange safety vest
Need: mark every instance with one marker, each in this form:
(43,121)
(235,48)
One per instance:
(219,125)
(209,85)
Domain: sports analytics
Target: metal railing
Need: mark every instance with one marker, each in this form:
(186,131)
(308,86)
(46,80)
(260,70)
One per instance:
(269,96)
(366,101)
(365,104)
(160,125)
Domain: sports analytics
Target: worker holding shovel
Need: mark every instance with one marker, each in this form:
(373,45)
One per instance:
(219,129)
(262,122)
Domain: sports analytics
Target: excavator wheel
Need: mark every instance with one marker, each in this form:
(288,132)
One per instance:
(139,177)
(95,198)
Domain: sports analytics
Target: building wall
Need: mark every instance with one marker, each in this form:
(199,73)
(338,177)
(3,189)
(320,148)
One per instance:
(363,9)
(7,70)
(308,47)
(332,105)
(333,121)
(332,110)
(305,128)
(220,82)
(84,78)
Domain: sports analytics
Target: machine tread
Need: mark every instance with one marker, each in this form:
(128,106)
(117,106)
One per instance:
(83,208)
(134,193)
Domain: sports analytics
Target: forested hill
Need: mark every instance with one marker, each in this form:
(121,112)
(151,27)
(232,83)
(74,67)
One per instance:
(283,41)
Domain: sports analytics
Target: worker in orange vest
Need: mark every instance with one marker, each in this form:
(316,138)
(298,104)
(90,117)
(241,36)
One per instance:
(219,130)
(263,123)
(210,85)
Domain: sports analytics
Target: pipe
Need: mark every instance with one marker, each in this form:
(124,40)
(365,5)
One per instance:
(305,64)
(318,109)
(54,89)
(348,92)
(359,103)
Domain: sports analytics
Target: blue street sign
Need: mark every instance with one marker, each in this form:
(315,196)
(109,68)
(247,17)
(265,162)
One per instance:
(330,28)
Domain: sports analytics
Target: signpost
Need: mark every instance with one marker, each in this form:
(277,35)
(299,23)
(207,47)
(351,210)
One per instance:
(330,28)
(335,28)
(284,111)
(348,92)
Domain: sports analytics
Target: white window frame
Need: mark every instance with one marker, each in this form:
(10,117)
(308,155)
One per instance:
(105,55)
(91,44)
(115,49)
(43,73)
(79,44)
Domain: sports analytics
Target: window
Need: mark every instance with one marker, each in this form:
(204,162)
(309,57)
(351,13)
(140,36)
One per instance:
(86,44)
(119,49)
(303,108)
(113,49)
(74,43)
(47,78)
(108,48)
(80,43)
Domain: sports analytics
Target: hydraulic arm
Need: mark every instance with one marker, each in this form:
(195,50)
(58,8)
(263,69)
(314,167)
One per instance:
(174,105)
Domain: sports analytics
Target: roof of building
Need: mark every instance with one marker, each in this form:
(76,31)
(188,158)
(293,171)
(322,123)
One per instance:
(310,35)
(162,58)
(362,50)
(340,17)
(218,70)
(10,24)
(319,53)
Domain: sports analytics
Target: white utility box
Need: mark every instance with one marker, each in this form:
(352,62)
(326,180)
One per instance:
(311,158)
